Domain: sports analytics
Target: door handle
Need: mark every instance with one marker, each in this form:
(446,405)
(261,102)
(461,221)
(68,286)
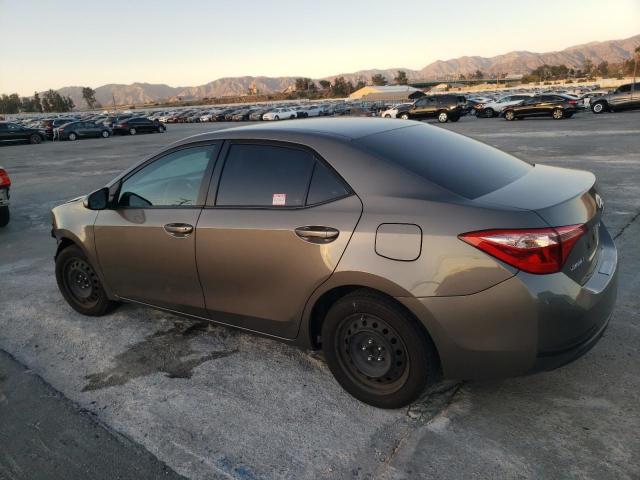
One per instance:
(317,234)
(179,230)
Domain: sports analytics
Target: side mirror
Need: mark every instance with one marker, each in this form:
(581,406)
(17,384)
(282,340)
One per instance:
(98,200)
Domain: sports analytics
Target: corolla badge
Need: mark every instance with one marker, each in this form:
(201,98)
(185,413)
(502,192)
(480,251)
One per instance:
(599,202)
(577,264)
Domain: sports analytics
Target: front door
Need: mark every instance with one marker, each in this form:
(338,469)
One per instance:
(276,231)
(146,244)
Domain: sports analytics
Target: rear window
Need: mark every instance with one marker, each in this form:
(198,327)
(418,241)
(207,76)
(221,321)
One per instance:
(457,163)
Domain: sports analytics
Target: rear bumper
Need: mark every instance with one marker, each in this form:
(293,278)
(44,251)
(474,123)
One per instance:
(525,324)
(4,197)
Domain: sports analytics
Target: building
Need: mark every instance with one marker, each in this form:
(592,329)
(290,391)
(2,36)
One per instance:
(390,93)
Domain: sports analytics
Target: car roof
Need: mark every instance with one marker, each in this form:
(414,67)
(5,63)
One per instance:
(338,128)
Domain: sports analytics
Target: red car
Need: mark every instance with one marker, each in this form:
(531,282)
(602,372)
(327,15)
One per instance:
(5,183)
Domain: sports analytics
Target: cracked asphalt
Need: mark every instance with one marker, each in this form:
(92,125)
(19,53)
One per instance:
(170,397)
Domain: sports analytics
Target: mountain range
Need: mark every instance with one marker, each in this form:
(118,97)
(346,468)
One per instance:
(516,62)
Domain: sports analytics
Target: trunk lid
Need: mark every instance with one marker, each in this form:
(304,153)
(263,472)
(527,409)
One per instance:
(560,197)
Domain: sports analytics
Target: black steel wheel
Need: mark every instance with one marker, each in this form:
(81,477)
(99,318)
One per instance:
(79,283)
(377,351)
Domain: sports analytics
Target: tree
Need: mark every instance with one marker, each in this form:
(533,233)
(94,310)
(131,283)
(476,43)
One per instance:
(587,66)
(360,84)
(325,84)
(89,95)
(401,78)
(378,79)
(10,103)
(478,75)
(340,87)
(36,102)
(603,69)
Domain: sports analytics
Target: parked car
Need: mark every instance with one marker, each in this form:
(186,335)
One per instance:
(133,126)
(479,265)
(392,112)
(257,114)
(443,107)
(625,97)
(5,185)
(50,124)
(493,108)
(282,113)
(13,133)
(85,129)
(555,106)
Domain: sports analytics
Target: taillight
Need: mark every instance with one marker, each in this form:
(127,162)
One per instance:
(572,102)
(537,250)
(5,181)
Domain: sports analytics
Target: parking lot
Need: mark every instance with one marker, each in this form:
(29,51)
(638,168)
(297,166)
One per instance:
(212,402)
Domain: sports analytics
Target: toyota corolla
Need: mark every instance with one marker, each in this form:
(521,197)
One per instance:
(406,252)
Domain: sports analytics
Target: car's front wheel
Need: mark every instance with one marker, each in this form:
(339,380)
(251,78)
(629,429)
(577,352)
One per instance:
(377,351)
(79,283)
(489,112)
(404,116)
(5,216)
(443,117)
(105,134)
(598,107)
(72,136)
(161,129)
(35,139)
(132,131)
(557,114)
(509,115)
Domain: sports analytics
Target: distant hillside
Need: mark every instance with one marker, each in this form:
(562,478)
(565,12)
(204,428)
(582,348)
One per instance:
(613,51)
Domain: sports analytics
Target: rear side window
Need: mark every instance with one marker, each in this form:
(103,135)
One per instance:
(325,186)
(457,163)
(265,176)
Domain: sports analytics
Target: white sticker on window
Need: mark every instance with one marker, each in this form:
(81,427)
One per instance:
(279,199)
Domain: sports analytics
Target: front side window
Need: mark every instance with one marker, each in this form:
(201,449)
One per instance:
(170,181)
(265,176)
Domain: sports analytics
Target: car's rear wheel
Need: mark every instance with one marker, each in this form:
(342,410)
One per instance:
(443,117)
(79,283)
(5,216)
(105,134)
(376,351)
(132,131)
(35,139)
(454,118)
(72,136)
(404,116)
(489,112)
(509,115)
(161,129)
(276,117)
(598,107)
(557,114)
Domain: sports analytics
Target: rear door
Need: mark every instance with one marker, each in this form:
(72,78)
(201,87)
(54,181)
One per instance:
(146,243)
(273,230)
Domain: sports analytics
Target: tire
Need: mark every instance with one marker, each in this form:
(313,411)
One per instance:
(293,116)
(161,129)
(105,134)
(599,107)
(80,285)
(509,115)
(5,216)
(557,114)
(72,136)
(132,131)
(276,117)
(377,351)
(489,112)
(35,139)
(405,116)
(443,117)
(454,119)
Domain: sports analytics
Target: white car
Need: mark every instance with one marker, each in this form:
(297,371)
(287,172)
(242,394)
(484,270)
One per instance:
(313,110)
(283,113)
(206,117)
(392,112)
(491,109)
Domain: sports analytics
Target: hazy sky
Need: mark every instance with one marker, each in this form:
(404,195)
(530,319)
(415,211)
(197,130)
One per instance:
(51,44)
